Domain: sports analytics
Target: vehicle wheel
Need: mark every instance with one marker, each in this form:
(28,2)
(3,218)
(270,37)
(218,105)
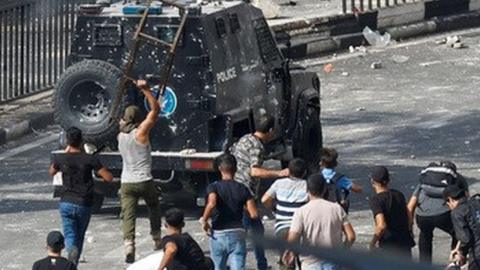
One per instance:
(83,98)
(307,141)
(97,203)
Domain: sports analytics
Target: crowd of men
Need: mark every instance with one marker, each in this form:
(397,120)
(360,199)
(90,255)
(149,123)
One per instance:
(311,208)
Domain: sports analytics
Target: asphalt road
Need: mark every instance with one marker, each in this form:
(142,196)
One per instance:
(420,106)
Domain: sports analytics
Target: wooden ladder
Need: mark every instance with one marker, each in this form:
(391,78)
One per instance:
(140,37)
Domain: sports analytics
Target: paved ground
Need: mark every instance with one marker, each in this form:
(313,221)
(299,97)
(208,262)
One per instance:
(402,115)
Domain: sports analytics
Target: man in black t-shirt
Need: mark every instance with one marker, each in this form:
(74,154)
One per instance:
(54,260)
(76,195)
(227,234)
(390,213)
(181,252)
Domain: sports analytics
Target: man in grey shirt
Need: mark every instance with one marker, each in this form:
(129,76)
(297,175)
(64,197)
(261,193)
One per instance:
(250,154)
(136,179)
(429,207)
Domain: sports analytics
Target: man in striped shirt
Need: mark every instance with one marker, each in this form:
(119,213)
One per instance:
(286,195)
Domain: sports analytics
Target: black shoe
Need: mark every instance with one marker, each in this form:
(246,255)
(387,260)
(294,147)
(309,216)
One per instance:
(130,258)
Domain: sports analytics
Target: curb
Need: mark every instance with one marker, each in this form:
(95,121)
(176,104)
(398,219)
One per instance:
(408,20)
(298,50)
(25,127)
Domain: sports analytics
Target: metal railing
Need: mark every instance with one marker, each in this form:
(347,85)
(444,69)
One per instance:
(34,44)
(358,6)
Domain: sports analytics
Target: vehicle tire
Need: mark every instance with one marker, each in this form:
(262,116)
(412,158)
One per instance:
(83,98)
(97,203)
(307,141)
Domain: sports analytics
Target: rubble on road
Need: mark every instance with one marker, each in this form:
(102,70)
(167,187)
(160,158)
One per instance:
(400,58)
(361,49)
(376,65)
(452,42)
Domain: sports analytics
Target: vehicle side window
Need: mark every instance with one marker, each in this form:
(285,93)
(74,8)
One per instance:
(107,35)
(268,48)
(234,23)
(221,27)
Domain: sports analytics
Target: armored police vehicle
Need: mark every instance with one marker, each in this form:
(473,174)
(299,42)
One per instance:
(227,72)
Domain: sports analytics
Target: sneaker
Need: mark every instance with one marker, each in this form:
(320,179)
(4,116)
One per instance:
(129,246)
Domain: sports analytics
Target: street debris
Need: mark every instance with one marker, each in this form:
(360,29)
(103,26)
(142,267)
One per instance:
(427,64)
(459,45)
(361,49)
(361,109)
(375,38)
(376,65)
(328,68)
(413,157)
(400,58)
(345,74)
(452,42)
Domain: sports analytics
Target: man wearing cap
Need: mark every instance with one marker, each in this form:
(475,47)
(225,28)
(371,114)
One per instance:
(54,260)
(389,210)
(466,223)
(136,179)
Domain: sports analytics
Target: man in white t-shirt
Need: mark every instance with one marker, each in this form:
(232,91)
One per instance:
(319,223)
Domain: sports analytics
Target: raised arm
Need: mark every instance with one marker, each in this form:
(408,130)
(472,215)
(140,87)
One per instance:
(144,128)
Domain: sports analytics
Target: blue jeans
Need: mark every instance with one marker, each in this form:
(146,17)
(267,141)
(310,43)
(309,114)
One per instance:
(228,245)
(75,219)
(257,229)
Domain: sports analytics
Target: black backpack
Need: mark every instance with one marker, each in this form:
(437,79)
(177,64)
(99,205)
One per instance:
(435,179)
(336,194)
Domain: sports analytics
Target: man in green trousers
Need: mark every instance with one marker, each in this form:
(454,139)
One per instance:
(136,179)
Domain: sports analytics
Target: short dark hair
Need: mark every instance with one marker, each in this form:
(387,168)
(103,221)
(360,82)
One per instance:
(175,217)
(316,185)
(297,167)
(265,123)
(329,157)
(454,191)
(55,241)
(74,137)
(228,162)
(381,175)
